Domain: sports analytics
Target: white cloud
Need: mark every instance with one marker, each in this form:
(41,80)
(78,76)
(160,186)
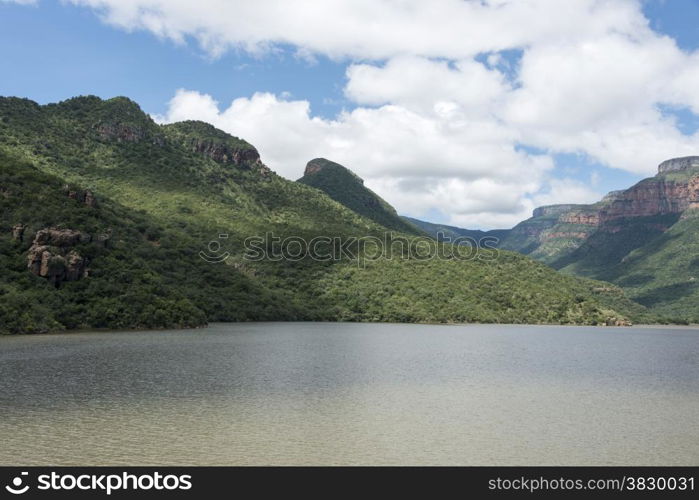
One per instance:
(600,97)
(374,29)
(426,85)
(434,128)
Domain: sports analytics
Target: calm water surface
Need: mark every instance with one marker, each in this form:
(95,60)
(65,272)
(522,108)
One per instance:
(319,393)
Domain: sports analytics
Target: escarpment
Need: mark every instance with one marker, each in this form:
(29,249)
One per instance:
(655,196)
(650,207)
(673,190)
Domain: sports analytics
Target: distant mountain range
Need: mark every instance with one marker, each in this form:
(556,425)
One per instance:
(645,239)
(455,234)
(110,220)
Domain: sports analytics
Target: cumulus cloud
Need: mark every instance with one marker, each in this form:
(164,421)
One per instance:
(417,161)
(374,29)
(441,108)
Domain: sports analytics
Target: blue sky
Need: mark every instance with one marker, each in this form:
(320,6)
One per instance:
(54,50)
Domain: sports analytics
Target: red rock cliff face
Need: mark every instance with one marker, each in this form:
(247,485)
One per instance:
(656,196)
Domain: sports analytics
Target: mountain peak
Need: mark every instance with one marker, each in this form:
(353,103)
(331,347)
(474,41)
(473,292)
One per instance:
(317,165)
(348,189)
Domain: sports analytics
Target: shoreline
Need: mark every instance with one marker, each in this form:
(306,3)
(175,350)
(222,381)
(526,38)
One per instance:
(649,326)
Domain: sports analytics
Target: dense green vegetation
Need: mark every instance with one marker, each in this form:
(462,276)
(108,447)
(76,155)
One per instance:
(148,276)
(507,289)
(165,192)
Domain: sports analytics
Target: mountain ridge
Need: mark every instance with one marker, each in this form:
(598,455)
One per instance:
(166,193)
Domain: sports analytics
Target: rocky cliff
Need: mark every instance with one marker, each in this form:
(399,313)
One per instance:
(206,140)
(654,196)
(666,193)
(678,164)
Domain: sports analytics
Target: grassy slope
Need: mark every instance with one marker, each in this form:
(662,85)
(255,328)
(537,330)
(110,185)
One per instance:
(165,202)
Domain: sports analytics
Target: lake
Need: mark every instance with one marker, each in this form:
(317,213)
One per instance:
(339,393)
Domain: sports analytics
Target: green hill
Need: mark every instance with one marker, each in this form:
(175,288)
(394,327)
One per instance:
(106,216)
(345,187)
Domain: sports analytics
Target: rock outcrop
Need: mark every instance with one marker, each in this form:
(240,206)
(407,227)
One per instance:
(247,158)
(583,218)
(650,207)
(85,197)
(18,232)
(222,153)
(127,132)
(202,138)
(53,256)
(612,195)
